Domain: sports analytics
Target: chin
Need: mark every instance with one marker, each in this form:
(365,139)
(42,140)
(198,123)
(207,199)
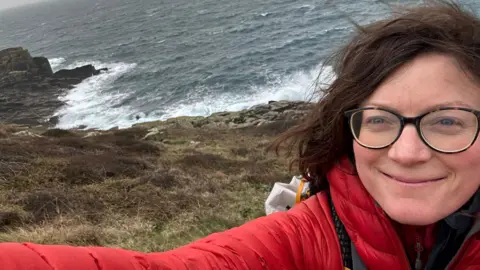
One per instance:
(411,213)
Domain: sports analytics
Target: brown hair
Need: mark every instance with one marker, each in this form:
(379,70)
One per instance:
(323,137)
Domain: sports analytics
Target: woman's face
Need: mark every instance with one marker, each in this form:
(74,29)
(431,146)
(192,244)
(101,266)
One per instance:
(438,184)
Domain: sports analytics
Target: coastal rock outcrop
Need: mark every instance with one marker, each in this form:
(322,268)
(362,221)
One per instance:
(80,73)
(270,118)
(30,89)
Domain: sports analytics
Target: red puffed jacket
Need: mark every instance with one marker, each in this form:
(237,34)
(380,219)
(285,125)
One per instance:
(301,238)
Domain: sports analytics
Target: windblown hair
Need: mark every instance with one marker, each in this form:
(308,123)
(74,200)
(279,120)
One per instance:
(322,138)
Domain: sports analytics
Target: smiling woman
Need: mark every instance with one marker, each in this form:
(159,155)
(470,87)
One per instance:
(393,166)
(429,170)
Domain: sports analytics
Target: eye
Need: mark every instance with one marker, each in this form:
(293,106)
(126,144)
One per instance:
(375,120)
(448,122)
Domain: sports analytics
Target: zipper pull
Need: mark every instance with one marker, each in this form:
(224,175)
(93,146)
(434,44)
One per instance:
(418,260)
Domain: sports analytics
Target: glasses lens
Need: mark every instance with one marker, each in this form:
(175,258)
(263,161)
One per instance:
(449,130)
(374,128)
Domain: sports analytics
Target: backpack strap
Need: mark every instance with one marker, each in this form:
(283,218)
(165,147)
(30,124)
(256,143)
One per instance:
(343,238)
(350,257)
(303,190)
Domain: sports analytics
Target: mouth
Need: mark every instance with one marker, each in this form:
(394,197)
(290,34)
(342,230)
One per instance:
(413,181)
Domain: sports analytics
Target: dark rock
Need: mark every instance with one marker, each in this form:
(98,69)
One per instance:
(53,120)
(80,73)
(43,65)
(19,66)
(30,89)
(15,59)
(256,116)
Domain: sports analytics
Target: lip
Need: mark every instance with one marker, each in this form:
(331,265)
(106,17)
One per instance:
(412,181)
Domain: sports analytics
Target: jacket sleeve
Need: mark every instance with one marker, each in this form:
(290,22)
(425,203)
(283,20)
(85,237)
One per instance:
(287,240)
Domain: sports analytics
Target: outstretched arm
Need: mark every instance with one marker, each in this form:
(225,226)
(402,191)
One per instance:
(288,240)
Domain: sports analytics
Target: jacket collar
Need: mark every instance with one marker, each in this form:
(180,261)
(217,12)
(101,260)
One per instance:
(462,219)
(364,221)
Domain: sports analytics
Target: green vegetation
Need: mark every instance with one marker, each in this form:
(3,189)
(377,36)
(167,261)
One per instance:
(118,189)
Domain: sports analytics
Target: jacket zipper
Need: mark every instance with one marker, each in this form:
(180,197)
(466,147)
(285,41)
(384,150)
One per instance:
(420,247)
(418,250)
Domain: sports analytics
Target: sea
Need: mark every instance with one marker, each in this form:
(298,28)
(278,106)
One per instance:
(169,58)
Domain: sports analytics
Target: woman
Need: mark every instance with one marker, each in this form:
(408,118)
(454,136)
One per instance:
(391,152)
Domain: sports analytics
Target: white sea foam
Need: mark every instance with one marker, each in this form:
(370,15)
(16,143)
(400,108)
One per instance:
(93,102)
(56,63)
(295,87)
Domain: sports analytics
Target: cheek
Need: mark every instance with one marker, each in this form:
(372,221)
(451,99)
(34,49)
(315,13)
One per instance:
(365,162)
(464,165)
(471,157)
(365,157)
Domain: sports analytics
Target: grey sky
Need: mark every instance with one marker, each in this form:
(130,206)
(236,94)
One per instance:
(15,3)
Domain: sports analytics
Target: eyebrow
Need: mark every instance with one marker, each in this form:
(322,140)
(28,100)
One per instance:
(455,103)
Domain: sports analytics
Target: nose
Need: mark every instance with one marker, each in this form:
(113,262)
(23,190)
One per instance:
(409,149)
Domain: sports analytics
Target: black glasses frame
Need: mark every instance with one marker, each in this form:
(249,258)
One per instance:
(414,121)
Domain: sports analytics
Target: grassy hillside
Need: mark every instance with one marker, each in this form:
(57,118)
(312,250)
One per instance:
(118,189)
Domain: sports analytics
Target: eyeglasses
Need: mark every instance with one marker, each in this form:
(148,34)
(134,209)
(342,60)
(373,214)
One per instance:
(446,130)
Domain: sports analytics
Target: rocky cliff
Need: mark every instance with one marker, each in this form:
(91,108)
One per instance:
(29,87)
(279,113)
(29,91)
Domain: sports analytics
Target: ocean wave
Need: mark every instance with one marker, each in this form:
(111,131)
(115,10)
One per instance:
(296,86)
(92,103)
(56,63)
(245,28)
(307,7)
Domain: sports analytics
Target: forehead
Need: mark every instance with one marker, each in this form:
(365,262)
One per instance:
(427,82)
